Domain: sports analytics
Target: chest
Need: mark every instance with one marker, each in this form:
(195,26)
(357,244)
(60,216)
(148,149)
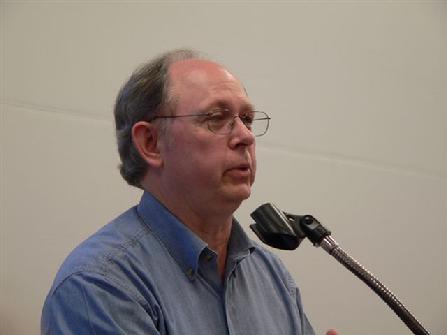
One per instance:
(250,301)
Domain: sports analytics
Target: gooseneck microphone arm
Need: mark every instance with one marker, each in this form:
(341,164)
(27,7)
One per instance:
(286,231)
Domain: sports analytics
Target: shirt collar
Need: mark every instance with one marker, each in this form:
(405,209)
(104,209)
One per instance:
(183,245)
(240,245)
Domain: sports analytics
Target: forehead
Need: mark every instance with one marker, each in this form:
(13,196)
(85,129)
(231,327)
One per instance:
(197,83)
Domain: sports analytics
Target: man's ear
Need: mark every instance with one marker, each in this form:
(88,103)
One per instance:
(145,139)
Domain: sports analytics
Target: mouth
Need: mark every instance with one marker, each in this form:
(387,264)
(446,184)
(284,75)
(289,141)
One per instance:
(240,171)
(241,167)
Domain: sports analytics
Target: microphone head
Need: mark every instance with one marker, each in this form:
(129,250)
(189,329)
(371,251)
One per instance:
(274,228)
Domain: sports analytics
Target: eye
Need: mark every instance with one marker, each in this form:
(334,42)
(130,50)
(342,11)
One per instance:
(247,118)
(217,115)
(218,118)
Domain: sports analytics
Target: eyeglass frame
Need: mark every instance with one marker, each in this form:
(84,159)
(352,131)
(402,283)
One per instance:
(231,123)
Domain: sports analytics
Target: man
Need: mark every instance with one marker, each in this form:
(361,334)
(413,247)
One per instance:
(179,263)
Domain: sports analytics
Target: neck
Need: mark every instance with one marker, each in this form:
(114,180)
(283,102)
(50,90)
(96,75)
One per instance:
(215,230)
(217,236)
(211,225)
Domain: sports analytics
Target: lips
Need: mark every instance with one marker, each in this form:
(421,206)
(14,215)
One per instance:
(243,167)
(241,170)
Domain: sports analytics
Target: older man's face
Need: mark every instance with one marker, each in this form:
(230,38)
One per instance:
(208,168)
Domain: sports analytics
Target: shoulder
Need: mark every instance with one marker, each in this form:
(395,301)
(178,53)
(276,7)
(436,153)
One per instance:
(98,253)
(271,264)
(102,278)
(262,253)
(279,277)
(88,302)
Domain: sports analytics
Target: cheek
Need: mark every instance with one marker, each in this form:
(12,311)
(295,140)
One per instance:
(253,163)
(205,158)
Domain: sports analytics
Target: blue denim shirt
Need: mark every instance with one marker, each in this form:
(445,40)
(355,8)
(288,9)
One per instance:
(147,273)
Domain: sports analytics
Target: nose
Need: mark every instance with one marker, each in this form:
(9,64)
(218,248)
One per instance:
(240,134)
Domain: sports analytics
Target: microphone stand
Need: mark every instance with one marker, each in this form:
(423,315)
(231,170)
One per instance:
(286,231)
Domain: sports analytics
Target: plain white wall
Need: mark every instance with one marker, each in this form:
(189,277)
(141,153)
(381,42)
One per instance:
(357,92)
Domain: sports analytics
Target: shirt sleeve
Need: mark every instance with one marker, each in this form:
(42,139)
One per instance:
(306,327)
(90,303)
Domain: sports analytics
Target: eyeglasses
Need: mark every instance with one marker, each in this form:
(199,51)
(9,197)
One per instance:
(221,121)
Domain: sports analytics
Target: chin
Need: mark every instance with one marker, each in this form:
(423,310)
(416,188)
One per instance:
(239,194)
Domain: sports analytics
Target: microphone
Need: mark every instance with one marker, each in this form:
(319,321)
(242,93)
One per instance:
(274,228)
(285,231)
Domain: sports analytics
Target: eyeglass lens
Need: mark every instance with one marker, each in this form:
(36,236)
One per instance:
(223,124)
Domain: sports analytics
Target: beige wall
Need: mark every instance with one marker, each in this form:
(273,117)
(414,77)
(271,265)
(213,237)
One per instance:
(358,98)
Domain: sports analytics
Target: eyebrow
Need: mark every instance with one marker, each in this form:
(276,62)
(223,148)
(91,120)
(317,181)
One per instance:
(247,106)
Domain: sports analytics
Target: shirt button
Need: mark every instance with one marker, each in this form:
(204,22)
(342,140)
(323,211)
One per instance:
(190,273)
(209,257)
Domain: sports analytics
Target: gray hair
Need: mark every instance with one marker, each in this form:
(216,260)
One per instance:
(143,96)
